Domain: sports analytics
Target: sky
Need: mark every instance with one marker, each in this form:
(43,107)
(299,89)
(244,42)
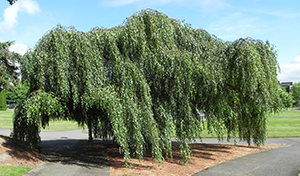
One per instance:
(276,21)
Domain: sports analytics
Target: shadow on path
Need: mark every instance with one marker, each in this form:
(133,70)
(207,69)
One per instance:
(81,153)
(72,157)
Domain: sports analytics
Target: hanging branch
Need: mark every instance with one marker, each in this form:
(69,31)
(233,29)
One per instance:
(146,81)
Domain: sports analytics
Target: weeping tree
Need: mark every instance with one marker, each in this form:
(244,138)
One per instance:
(251,86)
(146,81)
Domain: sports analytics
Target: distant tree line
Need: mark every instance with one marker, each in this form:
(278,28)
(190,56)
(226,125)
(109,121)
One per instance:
(296,93)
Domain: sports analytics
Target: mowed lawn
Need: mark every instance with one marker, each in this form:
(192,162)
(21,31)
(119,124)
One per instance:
(6,122)
(284,124)
(281,125)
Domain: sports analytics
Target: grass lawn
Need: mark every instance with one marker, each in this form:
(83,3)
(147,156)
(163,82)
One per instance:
(284,124)
(283,127)
(280,125)
(6,119)
(6,123)
(286,113)
(13,170)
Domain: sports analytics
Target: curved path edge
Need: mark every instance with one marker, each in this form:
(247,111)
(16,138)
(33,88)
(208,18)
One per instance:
(284,161)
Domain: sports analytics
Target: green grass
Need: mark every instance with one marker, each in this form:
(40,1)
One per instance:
(281,125)
(284,124)
(7,170)
(6,119)
(287,113)
(60,125)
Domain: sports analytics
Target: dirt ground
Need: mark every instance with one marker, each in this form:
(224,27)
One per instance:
(204,156)
(18,155)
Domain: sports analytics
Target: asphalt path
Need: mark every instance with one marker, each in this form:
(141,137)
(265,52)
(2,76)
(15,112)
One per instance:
(60,160)
(68,154)
(284,161)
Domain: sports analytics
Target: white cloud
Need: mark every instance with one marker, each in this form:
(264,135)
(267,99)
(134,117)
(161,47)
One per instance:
(19,48)
(11,14)
(236,25)
(290,71)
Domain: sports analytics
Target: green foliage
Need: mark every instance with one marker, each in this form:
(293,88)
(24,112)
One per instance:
(34,113)
(8,68)
(3,105)
(17,95)
(142,81)
(285,97)
(296,93)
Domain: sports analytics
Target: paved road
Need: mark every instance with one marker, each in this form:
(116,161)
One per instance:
(60,160)
(67,154)
(284,161)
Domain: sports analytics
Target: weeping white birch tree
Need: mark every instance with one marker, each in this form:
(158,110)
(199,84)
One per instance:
(146,81)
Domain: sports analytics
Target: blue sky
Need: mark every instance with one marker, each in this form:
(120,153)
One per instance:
(277,21)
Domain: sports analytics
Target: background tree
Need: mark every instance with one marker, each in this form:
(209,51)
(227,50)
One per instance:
(286,98)
(11,2)
(146,81)
(296,93)
(16,96)
(8,69)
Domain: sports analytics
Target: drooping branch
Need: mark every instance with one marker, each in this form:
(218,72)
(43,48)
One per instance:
(146,81)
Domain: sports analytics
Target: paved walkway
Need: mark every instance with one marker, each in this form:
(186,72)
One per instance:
(284,161)
(67,155)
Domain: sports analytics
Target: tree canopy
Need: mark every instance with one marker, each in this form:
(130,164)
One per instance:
(147,81)
(8,67)
(11,2)
(16,96)
(286,97)
(8,71)
(296,93)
